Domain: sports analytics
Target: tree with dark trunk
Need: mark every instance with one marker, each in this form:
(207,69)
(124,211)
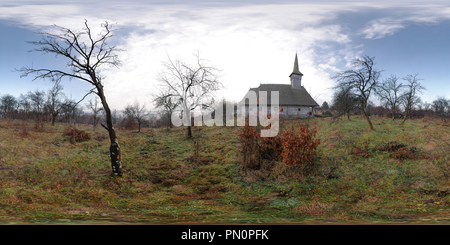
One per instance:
(361,81)
(86,56)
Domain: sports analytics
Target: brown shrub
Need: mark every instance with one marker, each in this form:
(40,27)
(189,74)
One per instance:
(76,135)
(299,147)
(130,124)
(403,153)
(250,147)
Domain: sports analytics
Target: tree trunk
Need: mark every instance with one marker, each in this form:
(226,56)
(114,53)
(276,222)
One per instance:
(189,132)
(114,149)
(406,114)
(367,118)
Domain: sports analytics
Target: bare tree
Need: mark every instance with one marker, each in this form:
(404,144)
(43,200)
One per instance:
(8,104)
(410,96)
(24,105)
(68,109)
(168,102)
(136,112)
(54,103)
(96,109)
(361,81)
(192,84)
(390,93)
(442,108)
(37,99)
(86,56)
(343,101)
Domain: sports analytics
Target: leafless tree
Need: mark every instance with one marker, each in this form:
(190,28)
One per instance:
(361,81)
(168,102)
(68,109)
(54,103)
(96,109)
(390,93)
(37,99)
(192,84)
(24,105)
(442,108)
(410,96)
(136,112)
(87,54)
(8,104)
(343,101)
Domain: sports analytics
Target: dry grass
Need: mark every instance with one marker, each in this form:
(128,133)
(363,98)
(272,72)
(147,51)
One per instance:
(394,172)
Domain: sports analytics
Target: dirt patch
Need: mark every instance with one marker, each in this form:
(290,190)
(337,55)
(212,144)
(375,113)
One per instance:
(430,146)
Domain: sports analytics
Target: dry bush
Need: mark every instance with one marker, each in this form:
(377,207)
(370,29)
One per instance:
(250,147)
(401,151)
(271,147)
(299,146)
(76,135)
(23,130)
(130,124)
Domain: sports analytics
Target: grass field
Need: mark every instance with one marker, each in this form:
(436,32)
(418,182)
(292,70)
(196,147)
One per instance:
(393,173)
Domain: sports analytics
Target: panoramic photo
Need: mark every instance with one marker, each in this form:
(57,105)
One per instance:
(224,112)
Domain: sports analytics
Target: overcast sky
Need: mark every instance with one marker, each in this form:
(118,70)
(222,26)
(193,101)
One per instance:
(252,42)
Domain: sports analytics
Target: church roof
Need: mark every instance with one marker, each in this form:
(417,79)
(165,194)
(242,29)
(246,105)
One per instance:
(296,70)
(287,94)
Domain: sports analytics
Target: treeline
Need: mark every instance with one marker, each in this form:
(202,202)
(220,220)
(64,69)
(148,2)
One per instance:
(53,106)
(395,107)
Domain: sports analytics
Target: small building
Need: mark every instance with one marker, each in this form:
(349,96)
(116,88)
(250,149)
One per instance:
(294,100)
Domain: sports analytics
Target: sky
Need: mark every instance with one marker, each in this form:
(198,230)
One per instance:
(251,42)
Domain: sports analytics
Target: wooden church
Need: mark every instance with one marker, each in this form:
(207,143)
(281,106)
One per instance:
(294,100)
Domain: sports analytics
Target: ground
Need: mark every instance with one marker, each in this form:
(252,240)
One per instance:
(395,173)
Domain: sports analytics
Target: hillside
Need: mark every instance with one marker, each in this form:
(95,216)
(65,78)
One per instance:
(394,173)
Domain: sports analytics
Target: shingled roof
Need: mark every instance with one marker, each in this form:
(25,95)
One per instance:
(288,95)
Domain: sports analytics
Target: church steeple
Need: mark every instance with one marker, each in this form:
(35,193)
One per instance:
(296,75)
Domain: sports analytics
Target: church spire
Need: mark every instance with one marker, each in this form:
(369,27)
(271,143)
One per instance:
(296,75)
(296,70)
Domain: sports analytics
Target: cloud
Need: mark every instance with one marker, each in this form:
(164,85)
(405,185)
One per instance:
(251,43)
(380,28)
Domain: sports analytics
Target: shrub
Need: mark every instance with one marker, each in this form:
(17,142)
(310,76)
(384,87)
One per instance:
(327,113)
(249,138)
(76,135)
(271,147)
(299,147)
(130,124)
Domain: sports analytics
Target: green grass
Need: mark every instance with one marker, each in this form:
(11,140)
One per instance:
(47,178)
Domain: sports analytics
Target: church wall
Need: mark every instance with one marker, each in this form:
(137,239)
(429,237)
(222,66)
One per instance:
(283,111)
(294,112)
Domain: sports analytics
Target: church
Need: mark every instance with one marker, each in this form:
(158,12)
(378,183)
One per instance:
(294,100)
